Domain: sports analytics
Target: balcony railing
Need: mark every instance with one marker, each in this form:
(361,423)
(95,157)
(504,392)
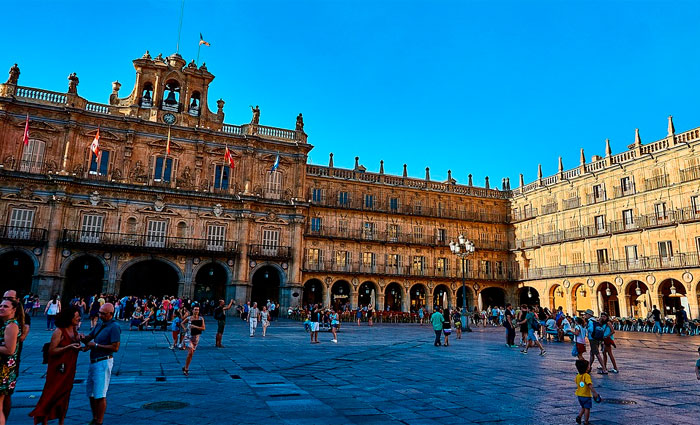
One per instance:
(549,208)
(677,261)
(15,235)
(269,252)
(620,191)
(689,174)
(571,203)
(148,243)
(594,198)
(524,215)
(358,267)
(656,182)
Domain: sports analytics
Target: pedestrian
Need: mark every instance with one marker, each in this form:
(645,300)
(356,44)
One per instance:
(103,341)
(656,314)
(457,319)
(595,337)
(246,309)
(608,343)
(370,314)
(510,328)
(60,371)
(697,366)
(359,315)
(10,332)
(36,306)
(273,310)
(523,326)
(584,391)
(681,319)
(194,326)
(253,317)
(21,317)
(436,319)
(314,319)
(51,310)
(446,326)
(580,338)
(220,317)
(335,323)
(532,327)
(95,312)
(184,314)
(175,329)
(265,319)
(421,314)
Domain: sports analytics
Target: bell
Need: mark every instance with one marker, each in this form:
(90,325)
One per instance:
(171,98)
(147,95)
(194,103)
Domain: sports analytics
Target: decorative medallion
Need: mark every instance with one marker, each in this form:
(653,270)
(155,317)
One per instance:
(566,283)
(454,286)
(687,277)
(252,263)
(37,251)
(476,287)
(618,281)
(651,279)
(590,282)
(285,265)
(66,252)
(355,281)
(218,210)
(196,260)
(158,205)
(230,262)
(107,255)
(381,282)
(329,280)
(169,118)
(95,198)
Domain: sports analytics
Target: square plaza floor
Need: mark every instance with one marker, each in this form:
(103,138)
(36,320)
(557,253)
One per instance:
(384,374)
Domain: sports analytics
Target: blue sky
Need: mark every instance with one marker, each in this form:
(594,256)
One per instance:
(483,87)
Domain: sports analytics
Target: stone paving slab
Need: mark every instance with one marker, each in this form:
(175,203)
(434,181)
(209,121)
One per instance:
(388,374)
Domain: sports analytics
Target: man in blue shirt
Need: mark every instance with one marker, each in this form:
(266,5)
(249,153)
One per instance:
(103,342)
(437,319)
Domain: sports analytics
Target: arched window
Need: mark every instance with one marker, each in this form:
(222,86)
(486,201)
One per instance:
(33,157)
(172,96)
(182,229)
(147,96)
(131,225)
(195,106)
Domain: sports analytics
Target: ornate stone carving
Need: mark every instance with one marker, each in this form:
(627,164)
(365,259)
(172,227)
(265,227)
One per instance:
(218,210)
(95,198)
(138,174)
(300,123)
(158,205)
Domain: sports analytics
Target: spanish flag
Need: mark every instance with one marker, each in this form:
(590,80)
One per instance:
(228,157)
(95,145)
(25,138)
(167,145)
(201,40)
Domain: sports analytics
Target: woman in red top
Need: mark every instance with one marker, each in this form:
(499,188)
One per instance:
(63,356)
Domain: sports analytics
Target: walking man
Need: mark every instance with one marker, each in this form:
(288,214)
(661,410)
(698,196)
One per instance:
(220,317)
(436,319)
(657,320)
(253,316)
(533,325)
(596,334)
(103,342)
(314,319)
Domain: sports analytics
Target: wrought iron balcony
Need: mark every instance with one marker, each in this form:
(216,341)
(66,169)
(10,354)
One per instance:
(13,235)
(358,267)
(147,243)
(624,190)
(656,182)
(691,173)
(269,252)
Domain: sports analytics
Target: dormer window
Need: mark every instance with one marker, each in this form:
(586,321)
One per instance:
(194,104)
(172,96)
(147,96)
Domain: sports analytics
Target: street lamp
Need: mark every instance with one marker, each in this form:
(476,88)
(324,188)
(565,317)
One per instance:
(462,249)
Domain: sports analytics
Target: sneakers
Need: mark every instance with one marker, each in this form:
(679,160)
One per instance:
(614,371)
(543,352)
(334,340)
(578,419)
(523,351)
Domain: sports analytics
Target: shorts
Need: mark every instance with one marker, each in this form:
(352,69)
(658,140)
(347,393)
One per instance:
(581,348)
(531,336)
(585,402)
(314,326)
(335,325)
(447,331)
(595,346)
(458,325)
(220,325)
(98,377)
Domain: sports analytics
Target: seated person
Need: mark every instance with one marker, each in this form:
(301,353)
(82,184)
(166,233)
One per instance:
(160,320)
(136,319)
(551,327)
(565,329)
(147,318)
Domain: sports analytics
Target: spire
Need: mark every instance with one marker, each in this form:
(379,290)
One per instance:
(449,176)
(561,165)
(330,161)
(583,157)
(522,180)
(539,171)
(508,183)
(381,166)
(503,183)
(637,139)
(427,173)
(671,128)
(471,182)
(405,173)
(487,182)
(608,151)
(357,162)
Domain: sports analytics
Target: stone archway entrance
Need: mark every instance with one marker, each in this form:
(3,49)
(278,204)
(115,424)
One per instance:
(491,297)
(340,294)
(417,297)
(673,296)
(393,295)
(581,299)
(607,299)
(149,277)
(470,298)
(266,286)
(529,296)
(638,299)
(557,298)
(18,270)
(312,293)
(84,278)
(441,297)
(210,283)
(367,294)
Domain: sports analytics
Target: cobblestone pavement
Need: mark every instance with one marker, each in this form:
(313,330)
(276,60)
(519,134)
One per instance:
(385,374)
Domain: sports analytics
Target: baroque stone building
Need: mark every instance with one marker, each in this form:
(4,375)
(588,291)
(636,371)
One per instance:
(161,210)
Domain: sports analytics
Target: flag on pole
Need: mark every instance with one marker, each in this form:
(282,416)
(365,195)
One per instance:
(276,164)
(25,138)
(228,157)
(167,145)
(201,40)
(95,145)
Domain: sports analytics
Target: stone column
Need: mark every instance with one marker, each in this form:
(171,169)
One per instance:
(239,281)
(624,302)
(569,307)
(50,281)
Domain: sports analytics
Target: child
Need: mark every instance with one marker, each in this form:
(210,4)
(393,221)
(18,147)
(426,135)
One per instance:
(584,391)
(580,338)
(697,366)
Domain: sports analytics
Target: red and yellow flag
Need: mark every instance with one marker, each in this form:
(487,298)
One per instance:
(201,40)
(228,157)
(167,145)
(25,138)
(95,145)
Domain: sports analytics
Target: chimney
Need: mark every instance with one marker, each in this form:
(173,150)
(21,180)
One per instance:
(427,173)
(405,173)
(330,161)
(381,167)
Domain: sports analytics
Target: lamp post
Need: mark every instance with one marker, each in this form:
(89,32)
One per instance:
(462,249)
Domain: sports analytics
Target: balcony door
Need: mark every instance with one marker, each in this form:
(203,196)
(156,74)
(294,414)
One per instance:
(21,221)
(270,242)
(32,157)
(216,234)
(155,234)
(91,228)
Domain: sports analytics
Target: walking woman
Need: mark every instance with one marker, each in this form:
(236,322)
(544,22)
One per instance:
(51,310)
(265,319)
(457,319)
(95,311)
(608,342)
(60,372)
(370,312)
(175,328)
(10,333)
(421,314)
(446,328)
(523,327)
(335,323)
(359,315)
(194,326)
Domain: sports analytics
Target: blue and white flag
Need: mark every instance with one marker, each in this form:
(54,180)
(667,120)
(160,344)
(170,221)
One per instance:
(276,164)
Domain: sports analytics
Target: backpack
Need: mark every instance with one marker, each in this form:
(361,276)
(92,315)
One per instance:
(535,324)
(598,331)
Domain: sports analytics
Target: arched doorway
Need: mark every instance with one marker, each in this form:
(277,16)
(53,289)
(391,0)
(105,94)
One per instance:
(340,293)
(367,295)
(84,278)
(673,296)
(17,269)
(149,277)
(266,286)
(557,298)
(608,300)
(312,293)
(529,296)
(210,283)
(491,297)
(393,295)
(417,297)
(638,299)
(441,297)
(470,298)
(580,299)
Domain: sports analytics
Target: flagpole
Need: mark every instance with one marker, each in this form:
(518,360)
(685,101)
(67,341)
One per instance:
(198,50)
(165,160)
(179,29)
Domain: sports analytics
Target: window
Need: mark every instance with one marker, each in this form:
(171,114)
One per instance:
(697,244)
(439,209)
(418,233)
(487,267)
(665,249)
(21,221)
(394,204)
(342,259)
(499,268)
(418,264)
(660,211)
(103,158)
(393,262)
(368,230)
(602,255)
(221,177)
(600,223)
(418,207)
(343,199)
(314,257)
(627,185)
(577,257)
(316,195)
(527,211)
(155,233)
(393,232)
(343,227)
(91,228)
(695,204)
(631,254)
(270,241)
(369,201)
(216,235)
(162,174)
(181,230)
(32,157)
(368,260)
(627,219)
(273,186)
(465,265)
(598,193)
(441,266)
(316,224)
(441,236)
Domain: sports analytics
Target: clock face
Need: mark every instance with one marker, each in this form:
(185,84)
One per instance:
(169,118)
